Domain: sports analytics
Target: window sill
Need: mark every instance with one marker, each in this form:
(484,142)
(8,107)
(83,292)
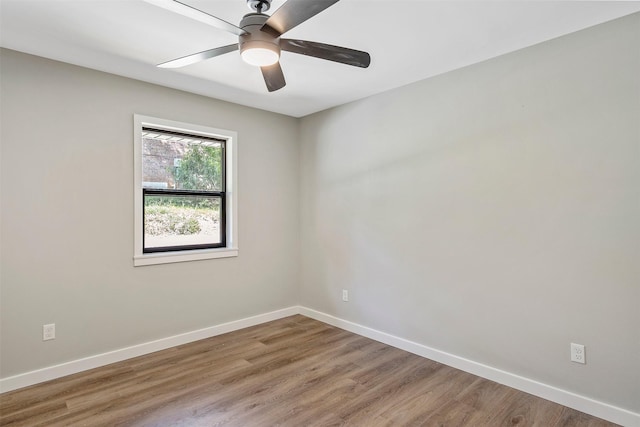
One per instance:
(171,257)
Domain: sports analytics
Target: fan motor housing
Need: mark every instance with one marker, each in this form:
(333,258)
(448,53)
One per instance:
(252,23)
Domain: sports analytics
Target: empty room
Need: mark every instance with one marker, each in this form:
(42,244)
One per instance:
(319,213)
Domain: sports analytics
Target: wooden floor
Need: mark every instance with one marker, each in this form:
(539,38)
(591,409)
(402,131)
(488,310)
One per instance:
(290,372)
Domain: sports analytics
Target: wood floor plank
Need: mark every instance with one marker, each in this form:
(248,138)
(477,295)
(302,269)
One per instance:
(290,372)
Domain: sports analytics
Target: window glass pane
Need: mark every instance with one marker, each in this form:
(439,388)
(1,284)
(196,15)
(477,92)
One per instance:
(171,220)
(182,162)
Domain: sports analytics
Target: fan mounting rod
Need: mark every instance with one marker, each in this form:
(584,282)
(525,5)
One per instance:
(259,5)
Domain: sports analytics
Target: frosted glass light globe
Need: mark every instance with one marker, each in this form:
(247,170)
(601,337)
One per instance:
(260,57)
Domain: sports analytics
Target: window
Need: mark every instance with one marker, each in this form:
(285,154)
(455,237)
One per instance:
(182,191)
(185,200)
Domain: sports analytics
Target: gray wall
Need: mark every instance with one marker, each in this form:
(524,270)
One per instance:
(67,217)
(492,212)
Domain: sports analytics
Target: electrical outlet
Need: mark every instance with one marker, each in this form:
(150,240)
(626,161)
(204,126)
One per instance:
(577,353)
(345,295)
(49,332)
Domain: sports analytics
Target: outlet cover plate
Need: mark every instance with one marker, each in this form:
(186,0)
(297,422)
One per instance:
(49,332)
(577,353)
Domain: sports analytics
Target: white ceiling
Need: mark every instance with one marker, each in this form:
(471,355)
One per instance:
(408,41)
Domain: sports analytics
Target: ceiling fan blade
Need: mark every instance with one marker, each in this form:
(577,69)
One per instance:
(273,77)
(329,52)
(197,57)
(198,15)
(293,13)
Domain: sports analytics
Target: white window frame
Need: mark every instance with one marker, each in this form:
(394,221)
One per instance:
(231,169)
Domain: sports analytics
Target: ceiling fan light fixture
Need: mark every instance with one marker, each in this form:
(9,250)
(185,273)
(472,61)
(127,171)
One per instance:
(257,47)
(260,56)
(259,38)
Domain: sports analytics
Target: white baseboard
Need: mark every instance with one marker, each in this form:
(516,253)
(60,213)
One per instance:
(581,403)
(79,365)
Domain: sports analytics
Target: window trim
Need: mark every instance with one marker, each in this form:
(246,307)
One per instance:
(231,198)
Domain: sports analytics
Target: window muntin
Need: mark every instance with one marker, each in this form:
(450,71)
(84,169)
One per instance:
(207,197)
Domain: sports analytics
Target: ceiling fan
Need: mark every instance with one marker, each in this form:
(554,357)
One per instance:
(260,41)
